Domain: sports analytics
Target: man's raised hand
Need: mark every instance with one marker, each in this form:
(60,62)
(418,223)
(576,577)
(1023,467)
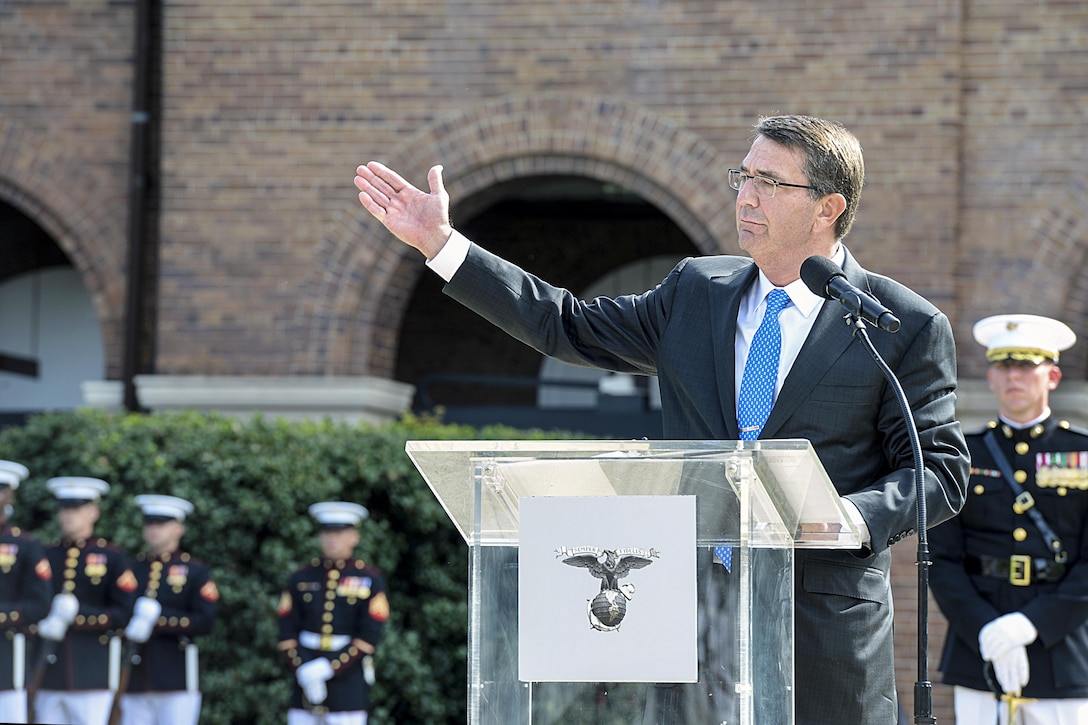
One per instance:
(421,220)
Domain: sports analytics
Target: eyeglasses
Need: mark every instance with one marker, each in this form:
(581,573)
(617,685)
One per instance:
(765,185)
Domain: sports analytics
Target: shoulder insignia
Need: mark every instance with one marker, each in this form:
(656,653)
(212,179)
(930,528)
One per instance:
(379,607)
(43,570)
(127,581)
(209,591)
(285,605)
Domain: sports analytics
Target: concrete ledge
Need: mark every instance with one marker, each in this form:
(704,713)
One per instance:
(343,399)
(354,399)
(108,394)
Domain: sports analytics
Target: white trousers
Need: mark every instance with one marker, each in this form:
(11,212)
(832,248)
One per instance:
(161,708)
(86,707)
(303,717)
(13,706)
(974,707)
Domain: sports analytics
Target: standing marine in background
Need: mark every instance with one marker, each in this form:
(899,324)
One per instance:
(1011,571)
(25,593)
(177,603)
(94,593)
(332,616)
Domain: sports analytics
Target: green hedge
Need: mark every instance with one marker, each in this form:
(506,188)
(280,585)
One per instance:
(251,483)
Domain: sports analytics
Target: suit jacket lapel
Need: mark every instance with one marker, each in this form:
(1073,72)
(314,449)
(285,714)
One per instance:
(826,342)
(725,294)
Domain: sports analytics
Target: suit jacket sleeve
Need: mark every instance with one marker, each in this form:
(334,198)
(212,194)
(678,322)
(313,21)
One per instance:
(618,334)
(926,370)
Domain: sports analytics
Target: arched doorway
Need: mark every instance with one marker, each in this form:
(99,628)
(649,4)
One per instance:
(50,336)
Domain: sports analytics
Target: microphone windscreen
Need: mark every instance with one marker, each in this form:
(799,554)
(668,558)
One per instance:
(817,272)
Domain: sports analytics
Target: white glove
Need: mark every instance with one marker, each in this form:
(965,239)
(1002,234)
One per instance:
(1004,634)
(145,616)
(312,677)
(368,669)
(1012,669)
(62,613)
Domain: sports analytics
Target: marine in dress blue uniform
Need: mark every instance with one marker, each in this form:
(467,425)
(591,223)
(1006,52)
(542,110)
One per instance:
(94,591)
(25,594)
(1016,592)
(332,616)
(177,604)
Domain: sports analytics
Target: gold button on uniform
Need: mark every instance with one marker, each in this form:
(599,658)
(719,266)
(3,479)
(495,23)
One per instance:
(1019,533)
(1020,476)
(1022,448)
(979,489)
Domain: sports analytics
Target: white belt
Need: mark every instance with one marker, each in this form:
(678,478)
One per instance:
(324,642)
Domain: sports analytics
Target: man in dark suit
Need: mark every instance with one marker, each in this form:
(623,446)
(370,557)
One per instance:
(797,194)
(1010,571)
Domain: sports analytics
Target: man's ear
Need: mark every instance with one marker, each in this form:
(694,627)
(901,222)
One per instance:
(1054,376)
(830,208)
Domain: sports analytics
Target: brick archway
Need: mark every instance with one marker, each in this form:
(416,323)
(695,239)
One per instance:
(1045,277)
(61,198)
(350,311)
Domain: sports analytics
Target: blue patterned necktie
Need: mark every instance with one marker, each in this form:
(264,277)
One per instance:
(761,370)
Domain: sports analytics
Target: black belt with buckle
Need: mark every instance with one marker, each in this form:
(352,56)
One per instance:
(1019,570)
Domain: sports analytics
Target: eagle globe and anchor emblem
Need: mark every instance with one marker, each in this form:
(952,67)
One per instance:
(608,608)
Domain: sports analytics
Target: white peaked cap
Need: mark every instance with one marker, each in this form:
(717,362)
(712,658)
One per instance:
(171,507)
(1028,338)
(77,488)
(338,513)
(16,470)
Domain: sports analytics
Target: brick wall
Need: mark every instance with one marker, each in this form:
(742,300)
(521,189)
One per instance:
(971,115)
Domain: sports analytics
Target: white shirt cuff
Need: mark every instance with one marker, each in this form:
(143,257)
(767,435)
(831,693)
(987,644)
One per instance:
(855,515)
(451,257)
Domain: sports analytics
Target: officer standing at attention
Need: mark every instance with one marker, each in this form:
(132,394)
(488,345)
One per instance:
(1011,571)
(94,593)
(332,616)
(177,603)
(25,594)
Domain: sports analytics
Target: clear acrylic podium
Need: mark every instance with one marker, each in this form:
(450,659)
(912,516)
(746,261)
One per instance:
(760,499)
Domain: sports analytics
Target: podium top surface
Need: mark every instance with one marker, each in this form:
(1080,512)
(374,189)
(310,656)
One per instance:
(787,496)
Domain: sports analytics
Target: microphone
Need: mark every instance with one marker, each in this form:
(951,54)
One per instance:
(825,279)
